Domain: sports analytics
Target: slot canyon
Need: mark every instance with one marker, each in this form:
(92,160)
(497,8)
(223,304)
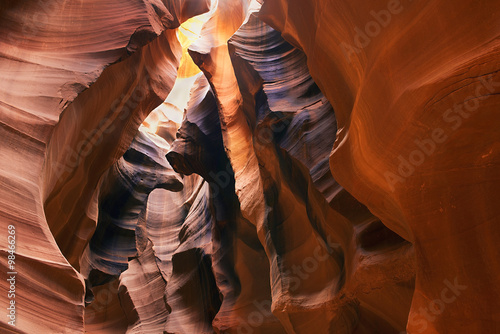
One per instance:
(250,166)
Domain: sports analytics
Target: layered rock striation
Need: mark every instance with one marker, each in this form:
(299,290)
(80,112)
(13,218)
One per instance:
(318,166)
(415,90)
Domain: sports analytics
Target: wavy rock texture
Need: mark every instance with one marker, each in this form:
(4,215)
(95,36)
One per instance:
(318,251)
(63,109)
(123,196)
(159,241)
(409,81)
(239,262)
(333,171)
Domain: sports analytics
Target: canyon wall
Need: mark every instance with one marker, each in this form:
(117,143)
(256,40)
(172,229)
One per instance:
(415,90)
(333,168)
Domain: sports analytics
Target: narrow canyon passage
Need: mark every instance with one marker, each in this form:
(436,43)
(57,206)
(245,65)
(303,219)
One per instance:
(250,166)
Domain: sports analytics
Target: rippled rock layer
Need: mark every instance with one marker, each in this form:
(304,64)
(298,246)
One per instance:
(332,169)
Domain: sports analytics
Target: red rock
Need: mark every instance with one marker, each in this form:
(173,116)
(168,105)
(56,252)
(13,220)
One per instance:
(397,88)
(57,83)
(338,166)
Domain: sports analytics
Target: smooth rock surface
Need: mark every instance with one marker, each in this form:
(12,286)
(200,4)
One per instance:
(306,166)
(415,91)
